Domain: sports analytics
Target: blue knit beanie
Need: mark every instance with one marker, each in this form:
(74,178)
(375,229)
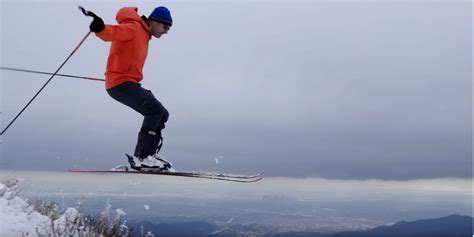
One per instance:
(161,14)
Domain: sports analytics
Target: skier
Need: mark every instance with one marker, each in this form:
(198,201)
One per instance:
(127,55)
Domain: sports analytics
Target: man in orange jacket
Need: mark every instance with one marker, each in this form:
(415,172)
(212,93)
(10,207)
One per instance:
(127,55)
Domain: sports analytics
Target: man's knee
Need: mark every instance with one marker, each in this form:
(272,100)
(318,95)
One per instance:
(154,108)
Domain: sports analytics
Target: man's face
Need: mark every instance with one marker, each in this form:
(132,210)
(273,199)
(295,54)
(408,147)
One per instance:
(158,29)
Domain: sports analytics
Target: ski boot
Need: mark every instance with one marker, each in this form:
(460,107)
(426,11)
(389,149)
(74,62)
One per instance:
(150,163)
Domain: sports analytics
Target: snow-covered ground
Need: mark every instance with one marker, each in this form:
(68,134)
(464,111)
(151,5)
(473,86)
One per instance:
(19,218)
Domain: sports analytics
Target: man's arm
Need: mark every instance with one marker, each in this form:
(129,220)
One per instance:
(121,32)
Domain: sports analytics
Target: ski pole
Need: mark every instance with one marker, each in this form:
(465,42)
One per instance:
(54,74)
(49,73)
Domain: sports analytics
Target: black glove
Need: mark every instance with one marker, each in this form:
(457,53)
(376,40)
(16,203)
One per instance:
(97,25)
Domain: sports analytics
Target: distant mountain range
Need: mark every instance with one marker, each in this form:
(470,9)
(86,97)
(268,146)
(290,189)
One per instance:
(449,226)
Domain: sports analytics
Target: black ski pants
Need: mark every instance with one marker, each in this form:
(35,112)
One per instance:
(155,115)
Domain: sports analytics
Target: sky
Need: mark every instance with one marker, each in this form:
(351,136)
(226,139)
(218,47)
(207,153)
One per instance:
(330,89)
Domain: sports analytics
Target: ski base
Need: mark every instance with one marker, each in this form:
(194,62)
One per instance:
(190,174)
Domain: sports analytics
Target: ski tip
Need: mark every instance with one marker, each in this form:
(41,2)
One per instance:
(247,180)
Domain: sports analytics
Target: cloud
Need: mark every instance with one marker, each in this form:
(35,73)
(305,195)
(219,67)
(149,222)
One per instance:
(306,189)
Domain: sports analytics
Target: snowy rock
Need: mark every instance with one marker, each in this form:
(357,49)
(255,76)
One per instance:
(68,223)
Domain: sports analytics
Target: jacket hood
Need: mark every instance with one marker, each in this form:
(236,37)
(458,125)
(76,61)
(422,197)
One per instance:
(128,14)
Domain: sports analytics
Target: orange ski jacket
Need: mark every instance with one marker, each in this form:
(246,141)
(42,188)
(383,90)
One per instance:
(129,47)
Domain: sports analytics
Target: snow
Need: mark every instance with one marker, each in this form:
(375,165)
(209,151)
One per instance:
(218,159)
(68,222)
(120,213)
(147,207)
(17,217)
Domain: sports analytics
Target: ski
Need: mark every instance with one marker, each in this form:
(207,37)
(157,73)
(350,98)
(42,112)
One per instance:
(190,174)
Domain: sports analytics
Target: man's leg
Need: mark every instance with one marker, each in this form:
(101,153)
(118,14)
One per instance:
(155,115)
(149,138)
